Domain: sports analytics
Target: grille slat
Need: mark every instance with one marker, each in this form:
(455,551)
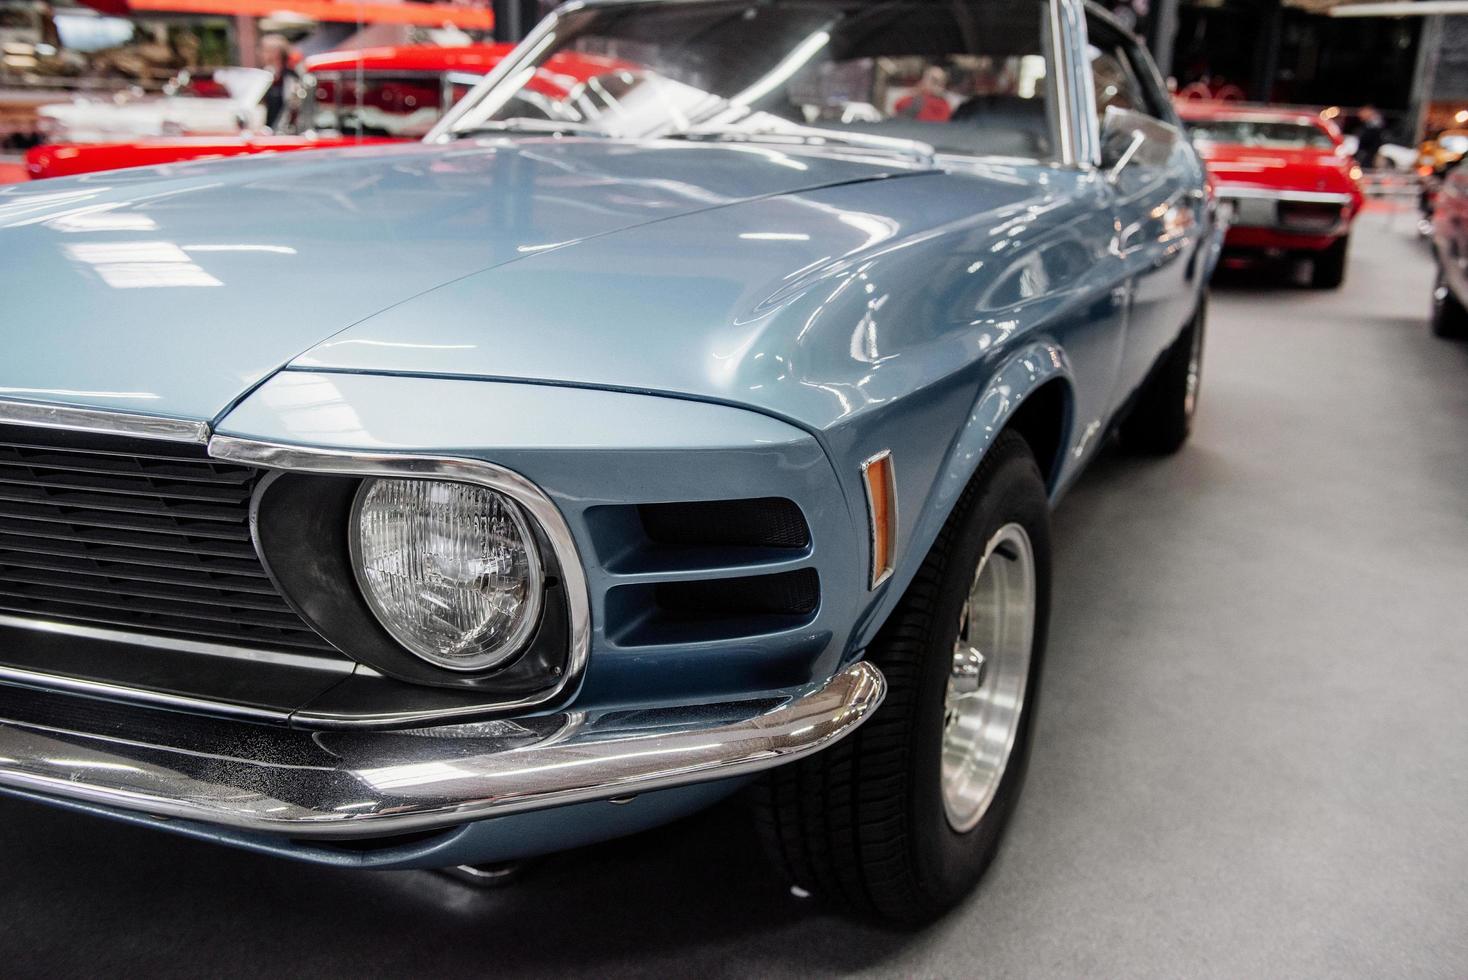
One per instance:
(65,597)
(234,599)
(163,625)
(139,522)
(128,487)
(122,505)
(50,463)
(106,555)
(108,536)
(134,573)
(137,535)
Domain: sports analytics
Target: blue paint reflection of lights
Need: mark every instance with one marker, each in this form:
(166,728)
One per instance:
(141,265)
(55,393)
(776,157)
(774,236)
(104,217)
(314,408)
(268,249)
(875,227)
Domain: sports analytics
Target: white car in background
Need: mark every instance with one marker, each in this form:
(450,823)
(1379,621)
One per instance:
(177,112)
(1391,156)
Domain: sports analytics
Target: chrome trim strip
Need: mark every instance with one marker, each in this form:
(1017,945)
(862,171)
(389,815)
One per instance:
(1249,192)
(118,692)
(343,785)
(158,641)
(1065,94)
(879,576)
(525,493)
(50,416)
(1089,153)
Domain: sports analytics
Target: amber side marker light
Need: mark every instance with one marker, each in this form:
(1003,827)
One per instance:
(882,509)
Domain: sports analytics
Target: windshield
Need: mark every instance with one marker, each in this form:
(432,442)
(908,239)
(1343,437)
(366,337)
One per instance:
(967,78)
(1270,134)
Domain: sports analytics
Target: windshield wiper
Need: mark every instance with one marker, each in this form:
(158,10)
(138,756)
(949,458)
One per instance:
(524,124)
(810,136)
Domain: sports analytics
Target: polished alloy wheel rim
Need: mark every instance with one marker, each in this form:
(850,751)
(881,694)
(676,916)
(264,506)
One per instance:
(991,669)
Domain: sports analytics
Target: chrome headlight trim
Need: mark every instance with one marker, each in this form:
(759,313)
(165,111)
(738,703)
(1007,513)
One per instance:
(533,500)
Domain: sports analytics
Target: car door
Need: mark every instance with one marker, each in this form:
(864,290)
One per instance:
(1157,192)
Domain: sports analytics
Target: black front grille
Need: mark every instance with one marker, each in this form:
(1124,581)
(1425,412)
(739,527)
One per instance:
(135,535)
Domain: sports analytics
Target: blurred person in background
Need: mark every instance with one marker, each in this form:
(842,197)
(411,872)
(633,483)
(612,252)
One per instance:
(276,58)
(1370,135)
(929,101)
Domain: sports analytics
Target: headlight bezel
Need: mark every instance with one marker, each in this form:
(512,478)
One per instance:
(502,654)
(299,524)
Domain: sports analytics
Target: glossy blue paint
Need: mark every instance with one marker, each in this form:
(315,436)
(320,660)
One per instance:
(176,289)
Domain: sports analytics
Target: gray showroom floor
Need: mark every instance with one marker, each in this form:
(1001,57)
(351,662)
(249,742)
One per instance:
(1252,752)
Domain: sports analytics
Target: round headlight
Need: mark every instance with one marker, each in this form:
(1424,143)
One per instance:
(450,569)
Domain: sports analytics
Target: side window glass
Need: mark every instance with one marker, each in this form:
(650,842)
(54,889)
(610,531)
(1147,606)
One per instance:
(1114,88)
(1116,74)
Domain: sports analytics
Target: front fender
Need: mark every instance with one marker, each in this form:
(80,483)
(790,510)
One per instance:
(1018,377)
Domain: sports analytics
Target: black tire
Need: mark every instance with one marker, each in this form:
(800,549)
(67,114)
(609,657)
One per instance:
(1449,317)
(1328,270)
(1161,419)
(863,825)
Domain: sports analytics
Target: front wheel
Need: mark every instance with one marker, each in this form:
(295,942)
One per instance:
(900,820)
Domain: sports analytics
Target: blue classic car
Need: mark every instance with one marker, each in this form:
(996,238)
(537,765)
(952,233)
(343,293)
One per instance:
(623,445)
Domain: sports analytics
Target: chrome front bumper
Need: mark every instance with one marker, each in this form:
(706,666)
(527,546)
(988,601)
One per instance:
(324,785)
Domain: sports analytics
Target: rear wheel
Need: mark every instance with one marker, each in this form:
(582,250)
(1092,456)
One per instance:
(1449,317)
(1162,419)
(900,820)
(1329,269)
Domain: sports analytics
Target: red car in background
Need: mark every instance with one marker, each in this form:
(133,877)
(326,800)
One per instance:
(346,98)
(1283,180)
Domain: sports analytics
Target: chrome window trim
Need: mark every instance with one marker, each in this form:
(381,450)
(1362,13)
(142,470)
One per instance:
(1064,92)
(302,459)
(48,415)
(878,577)
(1087,79)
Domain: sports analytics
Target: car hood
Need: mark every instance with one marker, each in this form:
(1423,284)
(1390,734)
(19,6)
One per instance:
(809,307)
(174,291)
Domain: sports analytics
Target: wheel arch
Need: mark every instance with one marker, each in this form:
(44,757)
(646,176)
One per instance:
(1032,393)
